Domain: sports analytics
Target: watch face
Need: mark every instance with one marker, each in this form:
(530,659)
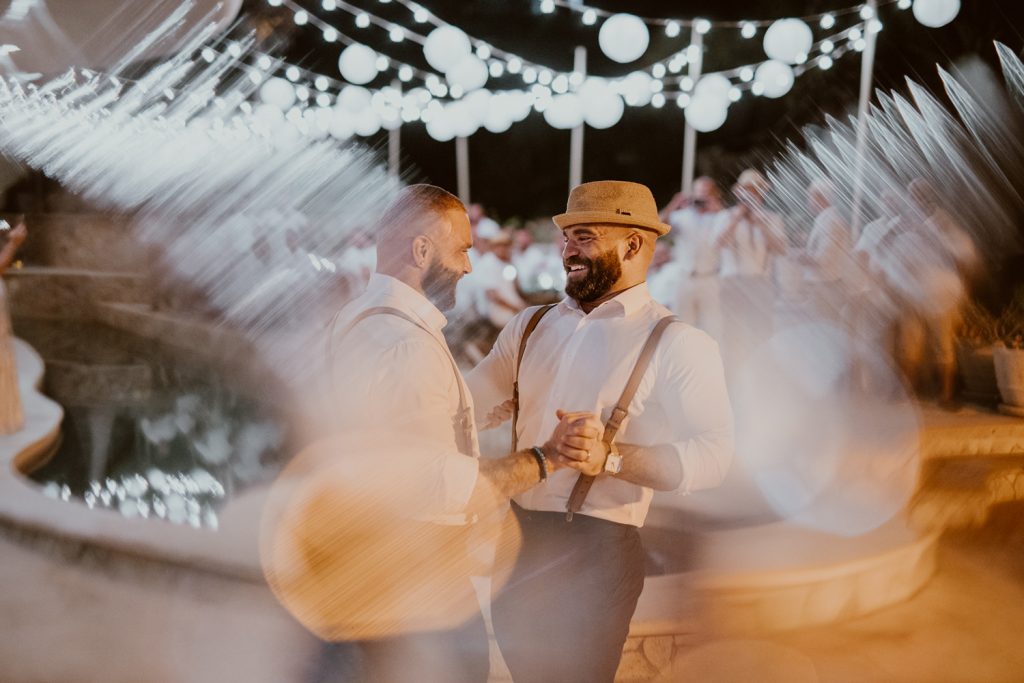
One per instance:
(613,464)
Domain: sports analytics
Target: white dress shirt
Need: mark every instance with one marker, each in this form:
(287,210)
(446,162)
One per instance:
(695,235)
(829,245)
(748,255)
(397,380)
(579,362)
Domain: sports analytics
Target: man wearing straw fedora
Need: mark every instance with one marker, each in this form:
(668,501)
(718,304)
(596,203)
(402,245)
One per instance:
(608,349)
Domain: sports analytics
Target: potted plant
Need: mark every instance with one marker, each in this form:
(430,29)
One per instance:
(1009,358)
(974,355)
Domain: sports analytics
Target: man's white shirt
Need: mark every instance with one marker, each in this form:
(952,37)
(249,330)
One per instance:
(397,381)
(695,235)
(578,362)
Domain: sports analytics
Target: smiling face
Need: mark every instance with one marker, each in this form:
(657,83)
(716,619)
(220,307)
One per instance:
(592,258)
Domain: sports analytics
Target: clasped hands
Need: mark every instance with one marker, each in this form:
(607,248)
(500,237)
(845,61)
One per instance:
(576,444)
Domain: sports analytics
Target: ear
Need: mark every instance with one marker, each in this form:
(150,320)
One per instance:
(634,245)
(421,248)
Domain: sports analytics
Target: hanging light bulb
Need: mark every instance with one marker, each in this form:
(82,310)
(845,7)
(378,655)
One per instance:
(547,6)
(904,4)
(321,83)
(301,18)
(735,94)
(330,34)
(329,5)
(495,69)
(746,74)
(292,73)
(748,29)
(589,17)
(826,46)
(672,29)
(825,62)
(545,77)
(658,100)
(658,70)
(827,21)
(405,73)
(866,12)
(362,20)
(264,62)
(701,26)
(397,34)
(420,15)
(208,54)
(682,101)
(483,51)
(855,34)
(514,65)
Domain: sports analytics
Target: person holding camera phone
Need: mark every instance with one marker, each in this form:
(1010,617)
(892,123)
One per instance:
(697,219)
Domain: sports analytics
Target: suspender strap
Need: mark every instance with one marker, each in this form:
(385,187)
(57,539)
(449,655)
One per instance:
(464,431)
(530,327)
(621,410)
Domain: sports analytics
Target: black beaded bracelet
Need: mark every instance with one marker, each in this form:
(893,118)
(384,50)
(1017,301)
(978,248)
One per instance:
(542,462)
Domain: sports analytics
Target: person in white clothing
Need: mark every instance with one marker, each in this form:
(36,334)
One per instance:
(827,256)
(565,610)
(697,222)
(394,383)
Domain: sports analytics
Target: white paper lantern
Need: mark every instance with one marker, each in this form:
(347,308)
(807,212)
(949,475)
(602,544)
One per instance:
(715,85)
(787,39)
(707,112)
(366,123)
(469,73)
(499,114)
(341,124)
(521,104)
(775,77)
(566,111)
(623,38)
(602,106)
(278,92)
(936,13)
(445,47)
(358,64)
(440,128)
(462,118)
(354,98)
(636,88)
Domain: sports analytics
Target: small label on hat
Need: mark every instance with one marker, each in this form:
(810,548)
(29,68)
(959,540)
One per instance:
(624,213)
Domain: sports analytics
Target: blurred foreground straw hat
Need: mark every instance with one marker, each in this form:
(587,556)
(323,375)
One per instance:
(612,201)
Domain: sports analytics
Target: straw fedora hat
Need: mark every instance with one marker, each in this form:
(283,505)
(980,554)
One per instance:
(612,201)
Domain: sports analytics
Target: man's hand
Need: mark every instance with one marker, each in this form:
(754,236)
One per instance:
(575,436)
(593,465)
(498,416)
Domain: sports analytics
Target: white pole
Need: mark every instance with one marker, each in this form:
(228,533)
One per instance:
(576,141)
(689,134)
(462,168)
(867,66)
(395,142)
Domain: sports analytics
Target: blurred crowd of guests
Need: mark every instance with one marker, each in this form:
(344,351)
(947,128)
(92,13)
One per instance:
(739,265)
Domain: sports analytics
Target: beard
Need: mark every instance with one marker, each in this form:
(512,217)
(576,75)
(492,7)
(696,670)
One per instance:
(602,272)
(439,285)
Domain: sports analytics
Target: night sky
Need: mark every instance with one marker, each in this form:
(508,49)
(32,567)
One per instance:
(524,172)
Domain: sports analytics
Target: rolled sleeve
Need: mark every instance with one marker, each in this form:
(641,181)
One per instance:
(691,387)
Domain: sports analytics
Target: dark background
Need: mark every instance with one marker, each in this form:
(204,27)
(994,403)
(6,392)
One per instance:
(524,172)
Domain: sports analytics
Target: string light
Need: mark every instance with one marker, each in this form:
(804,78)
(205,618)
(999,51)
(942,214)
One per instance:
(658,101)
(658,70)
(362,20)
(672,29)
(904,4)
(827,21)
(292,73)
(420,15)
(701,26)
(396,34)
(748,29)
(483,51)
(824,62)
(826,46)
(746,74)
(330,34)
(301,18)
(589,17)
(495,69)
(867,12)
(683,101)
(329,5)
(547,6)
(405,73)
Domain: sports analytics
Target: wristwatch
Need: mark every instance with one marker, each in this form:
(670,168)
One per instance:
(613,463)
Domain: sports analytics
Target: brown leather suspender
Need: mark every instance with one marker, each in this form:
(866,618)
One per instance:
(619,413)
(464,433)
(530,327)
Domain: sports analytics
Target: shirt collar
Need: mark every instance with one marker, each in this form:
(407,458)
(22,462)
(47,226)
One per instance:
(624,304)
(407,299)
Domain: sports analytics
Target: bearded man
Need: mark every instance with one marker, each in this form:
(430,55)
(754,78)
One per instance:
(607,349)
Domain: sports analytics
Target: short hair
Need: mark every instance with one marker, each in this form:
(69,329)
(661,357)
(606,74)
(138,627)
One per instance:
(412,202)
